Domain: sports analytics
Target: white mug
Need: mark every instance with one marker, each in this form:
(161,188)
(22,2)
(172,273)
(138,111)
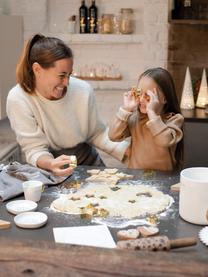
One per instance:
(32,190)
(193,198)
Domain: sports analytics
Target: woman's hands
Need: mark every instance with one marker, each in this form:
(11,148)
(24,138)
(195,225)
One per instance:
(130,103)
(59,166)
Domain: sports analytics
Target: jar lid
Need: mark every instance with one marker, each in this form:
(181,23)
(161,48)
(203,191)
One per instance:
(107,15)
(126,10)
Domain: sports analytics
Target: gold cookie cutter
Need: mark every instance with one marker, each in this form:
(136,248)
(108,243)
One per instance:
(136,91)
(73,162)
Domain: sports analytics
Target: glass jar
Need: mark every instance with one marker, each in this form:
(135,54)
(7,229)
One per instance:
(126,21)
(107,24)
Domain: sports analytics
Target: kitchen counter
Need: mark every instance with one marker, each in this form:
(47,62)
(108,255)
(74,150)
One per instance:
(195,115)
(34,250)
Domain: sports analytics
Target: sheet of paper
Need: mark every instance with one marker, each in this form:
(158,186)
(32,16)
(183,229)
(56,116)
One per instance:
(98,236)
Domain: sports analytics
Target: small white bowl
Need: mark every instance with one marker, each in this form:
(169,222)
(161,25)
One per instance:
(21,206)
(30,220)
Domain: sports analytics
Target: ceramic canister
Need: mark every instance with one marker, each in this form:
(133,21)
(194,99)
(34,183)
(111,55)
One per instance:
(32,190)
(193,199)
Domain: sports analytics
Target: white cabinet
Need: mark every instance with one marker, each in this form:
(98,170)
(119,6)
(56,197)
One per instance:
(11,43)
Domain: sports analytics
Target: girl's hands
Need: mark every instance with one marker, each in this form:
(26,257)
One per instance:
(154,105)
(130,103)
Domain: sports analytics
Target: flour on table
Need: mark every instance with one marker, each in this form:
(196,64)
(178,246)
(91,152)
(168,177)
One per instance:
(127,201)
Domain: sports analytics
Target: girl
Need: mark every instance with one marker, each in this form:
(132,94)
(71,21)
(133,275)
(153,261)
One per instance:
(153,121)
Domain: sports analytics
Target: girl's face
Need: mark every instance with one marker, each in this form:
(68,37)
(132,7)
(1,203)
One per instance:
(52,82)
(147,83)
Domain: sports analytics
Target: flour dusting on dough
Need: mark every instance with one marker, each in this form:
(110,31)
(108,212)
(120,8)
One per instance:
(127,201)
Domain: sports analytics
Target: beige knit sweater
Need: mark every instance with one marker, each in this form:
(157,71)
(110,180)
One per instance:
(153,142)
(41,124)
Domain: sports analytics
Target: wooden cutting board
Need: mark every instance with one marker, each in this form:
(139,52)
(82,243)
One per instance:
(4,224)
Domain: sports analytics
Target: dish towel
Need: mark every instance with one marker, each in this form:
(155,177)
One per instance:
(14,174)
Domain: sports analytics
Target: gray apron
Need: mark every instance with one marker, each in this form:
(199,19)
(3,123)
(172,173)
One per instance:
(85,153)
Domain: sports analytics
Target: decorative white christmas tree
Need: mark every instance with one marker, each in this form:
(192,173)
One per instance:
(187,98)
(202,98)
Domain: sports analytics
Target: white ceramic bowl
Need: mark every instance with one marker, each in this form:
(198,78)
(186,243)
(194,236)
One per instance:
(193,200)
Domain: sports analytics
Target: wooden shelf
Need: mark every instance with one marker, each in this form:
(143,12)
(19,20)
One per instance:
(98,38)
(100,78)
(189,21)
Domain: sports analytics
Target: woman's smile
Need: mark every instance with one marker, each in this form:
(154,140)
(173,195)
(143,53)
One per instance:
(59,92)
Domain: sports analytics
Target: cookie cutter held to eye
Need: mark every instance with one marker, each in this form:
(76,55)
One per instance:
(136,91)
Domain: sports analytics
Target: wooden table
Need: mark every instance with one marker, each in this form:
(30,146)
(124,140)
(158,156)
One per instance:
(33,252)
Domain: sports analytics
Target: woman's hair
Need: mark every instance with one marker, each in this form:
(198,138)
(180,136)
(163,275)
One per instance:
(165,82)
(43,50)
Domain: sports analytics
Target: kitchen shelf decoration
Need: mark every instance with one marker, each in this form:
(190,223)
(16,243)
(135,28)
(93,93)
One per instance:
(98,72)
(202,98)
(187,98)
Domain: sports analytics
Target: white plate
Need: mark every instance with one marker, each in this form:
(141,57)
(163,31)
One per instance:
(30,220)
(21,206)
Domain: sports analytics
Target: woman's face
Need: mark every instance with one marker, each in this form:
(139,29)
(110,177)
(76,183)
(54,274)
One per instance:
(52,83)
(146,83)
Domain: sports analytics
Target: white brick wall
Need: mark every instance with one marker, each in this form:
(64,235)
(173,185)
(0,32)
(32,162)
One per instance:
(151,17)
(34,13)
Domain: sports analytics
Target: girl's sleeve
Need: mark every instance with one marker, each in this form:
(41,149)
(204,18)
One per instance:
(166,133)
(98,133)
(119,128)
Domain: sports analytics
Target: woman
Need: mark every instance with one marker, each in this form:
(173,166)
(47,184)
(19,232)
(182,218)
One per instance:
(53,114)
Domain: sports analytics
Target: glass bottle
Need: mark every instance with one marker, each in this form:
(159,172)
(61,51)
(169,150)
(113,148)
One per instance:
(93,17)
(126,21)
(176,9)
(187,9)
(83,18)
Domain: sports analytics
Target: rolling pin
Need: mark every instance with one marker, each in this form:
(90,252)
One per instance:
(4,224)
(175,187)
(157,243)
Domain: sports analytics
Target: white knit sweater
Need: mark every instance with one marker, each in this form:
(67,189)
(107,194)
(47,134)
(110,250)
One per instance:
(40,123)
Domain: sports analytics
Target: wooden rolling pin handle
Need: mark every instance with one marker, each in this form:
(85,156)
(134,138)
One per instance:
(183,242)
(4,224)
